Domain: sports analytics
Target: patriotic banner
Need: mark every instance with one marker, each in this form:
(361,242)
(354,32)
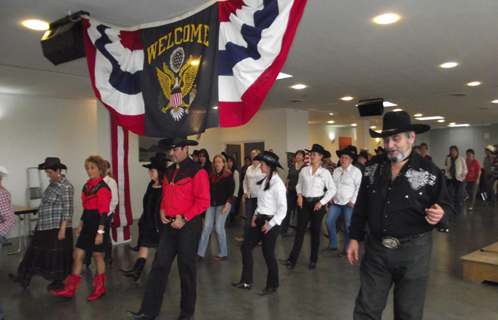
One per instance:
(167,79)
(123,217)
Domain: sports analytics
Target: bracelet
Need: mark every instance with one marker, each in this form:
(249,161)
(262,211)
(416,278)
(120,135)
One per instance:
(100,231)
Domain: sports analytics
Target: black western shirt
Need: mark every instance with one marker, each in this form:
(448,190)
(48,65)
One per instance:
(397,208)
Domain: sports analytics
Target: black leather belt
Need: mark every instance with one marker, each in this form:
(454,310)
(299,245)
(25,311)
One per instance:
(314,199)
(264,216)
(394,243)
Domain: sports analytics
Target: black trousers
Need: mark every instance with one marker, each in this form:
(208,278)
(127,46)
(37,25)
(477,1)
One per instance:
(407,267)
(291,207)
(173,242)
(251,204)
(253,237)
(304,216)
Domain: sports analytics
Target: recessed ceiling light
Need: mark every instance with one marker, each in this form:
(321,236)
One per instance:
(449,65)
(473,84)
(389,104)
(459,125)
(495,101)
(396,110)
(331,114)
(298,86)
(440,120)
(372,127)
(417,115)
(215,107)
(430,118)
(347,98)
(35,24)
(452,123)
(386,18)
(282,75)
(331,121)
(353,124)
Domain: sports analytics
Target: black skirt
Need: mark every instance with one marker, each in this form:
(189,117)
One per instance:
(48,256)
(150,225)
(86,240)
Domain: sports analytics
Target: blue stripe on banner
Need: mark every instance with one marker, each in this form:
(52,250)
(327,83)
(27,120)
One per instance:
(252,35)
(123,81)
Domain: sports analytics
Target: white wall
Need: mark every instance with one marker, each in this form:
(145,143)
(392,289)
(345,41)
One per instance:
(33,128)
(321,134)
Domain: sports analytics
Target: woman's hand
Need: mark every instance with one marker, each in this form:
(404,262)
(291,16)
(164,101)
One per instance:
(62,234)
(99,239)
(300,201)
(266,227)
(225,208)
(253,222)
(78,231)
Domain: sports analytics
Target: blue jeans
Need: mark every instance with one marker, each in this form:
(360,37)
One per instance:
(334,212)
(213,213)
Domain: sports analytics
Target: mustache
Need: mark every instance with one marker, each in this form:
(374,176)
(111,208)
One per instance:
(392,149)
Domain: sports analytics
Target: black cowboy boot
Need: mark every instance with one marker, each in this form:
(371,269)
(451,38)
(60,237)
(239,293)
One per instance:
(136,271)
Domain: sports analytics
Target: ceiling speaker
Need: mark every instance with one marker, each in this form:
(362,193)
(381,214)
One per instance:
(64,42)
(372,107)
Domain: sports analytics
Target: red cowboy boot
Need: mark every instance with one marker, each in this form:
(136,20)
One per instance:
(99,284)
(73,282)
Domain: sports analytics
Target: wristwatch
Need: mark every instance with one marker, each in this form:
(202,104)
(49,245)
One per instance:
(100,231)
(184,220)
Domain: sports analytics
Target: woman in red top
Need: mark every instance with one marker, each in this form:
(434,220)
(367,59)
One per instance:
(96,197)
(472,178)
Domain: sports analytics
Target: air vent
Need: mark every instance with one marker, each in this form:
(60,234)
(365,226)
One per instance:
(297,100)
(484,108)
(457,94)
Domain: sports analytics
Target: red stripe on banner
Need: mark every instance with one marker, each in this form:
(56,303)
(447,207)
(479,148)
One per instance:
(130,41)
(133,123)
(226,8)
(123,188)
(233,114)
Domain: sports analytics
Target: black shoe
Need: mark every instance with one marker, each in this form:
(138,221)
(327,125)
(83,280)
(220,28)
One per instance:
(329,249)
(242,285)
(134,248)
(138,315)
(185,317)
(312,266)
(266,291)
(344,253)
(287,263)
(326,235)
(22,281)
(136,271)
(56,285)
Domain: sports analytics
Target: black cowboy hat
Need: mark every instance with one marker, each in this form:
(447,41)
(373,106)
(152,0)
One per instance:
(167,144)
(326,154)
(397,122)
(156,163)
(269,158)
(161,156)
(318,148)
(363,154)
(379,149)
(195,153)
(350,151)
(51,163)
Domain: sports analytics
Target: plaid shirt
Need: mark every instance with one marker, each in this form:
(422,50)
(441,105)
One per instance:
(56,206)
(7,217)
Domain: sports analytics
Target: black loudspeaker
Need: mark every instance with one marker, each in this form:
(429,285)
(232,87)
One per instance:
(64,41)
(372,107)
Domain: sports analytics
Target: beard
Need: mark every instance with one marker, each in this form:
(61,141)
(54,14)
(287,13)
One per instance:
(400,156)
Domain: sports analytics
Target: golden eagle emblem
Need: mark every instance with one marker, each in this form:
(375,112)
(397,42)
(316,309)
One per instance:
(178,82)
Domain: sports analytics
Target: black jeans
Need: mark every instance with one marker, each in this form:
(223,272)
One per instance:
(407,267)
(251,204)
(173,242)
(291,207)
(304,216)
(253,237)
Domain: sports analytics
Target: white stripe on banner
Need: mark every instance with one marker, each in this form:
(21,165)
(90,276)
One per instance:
(121,184)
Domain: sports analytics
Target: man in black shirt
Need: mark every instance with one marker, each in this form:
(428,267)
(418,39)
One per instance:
(402,198)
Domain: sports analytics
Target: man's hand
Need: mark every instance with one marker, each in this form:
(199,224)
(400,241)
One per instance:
(434,214)
(350,204)
(163,217)
(353,249)
(245,196)
(318,206)
(178,223)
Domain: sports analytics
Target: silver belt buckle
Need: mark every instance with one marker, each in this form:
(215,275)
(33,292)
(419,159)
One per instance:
(390,243)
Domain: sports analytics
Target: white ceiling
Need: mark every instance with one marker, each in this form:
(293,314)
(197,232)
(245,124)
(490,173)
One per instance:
(337,51)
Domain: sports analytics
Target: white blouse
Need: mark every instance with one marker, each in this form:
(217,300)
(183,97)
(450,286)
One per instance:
(253,175)
(348,183)
(114,193)
(313,185)
(272,202)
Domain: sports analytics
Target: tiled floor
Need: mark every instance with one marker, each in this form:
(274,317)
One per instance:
(326,293)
